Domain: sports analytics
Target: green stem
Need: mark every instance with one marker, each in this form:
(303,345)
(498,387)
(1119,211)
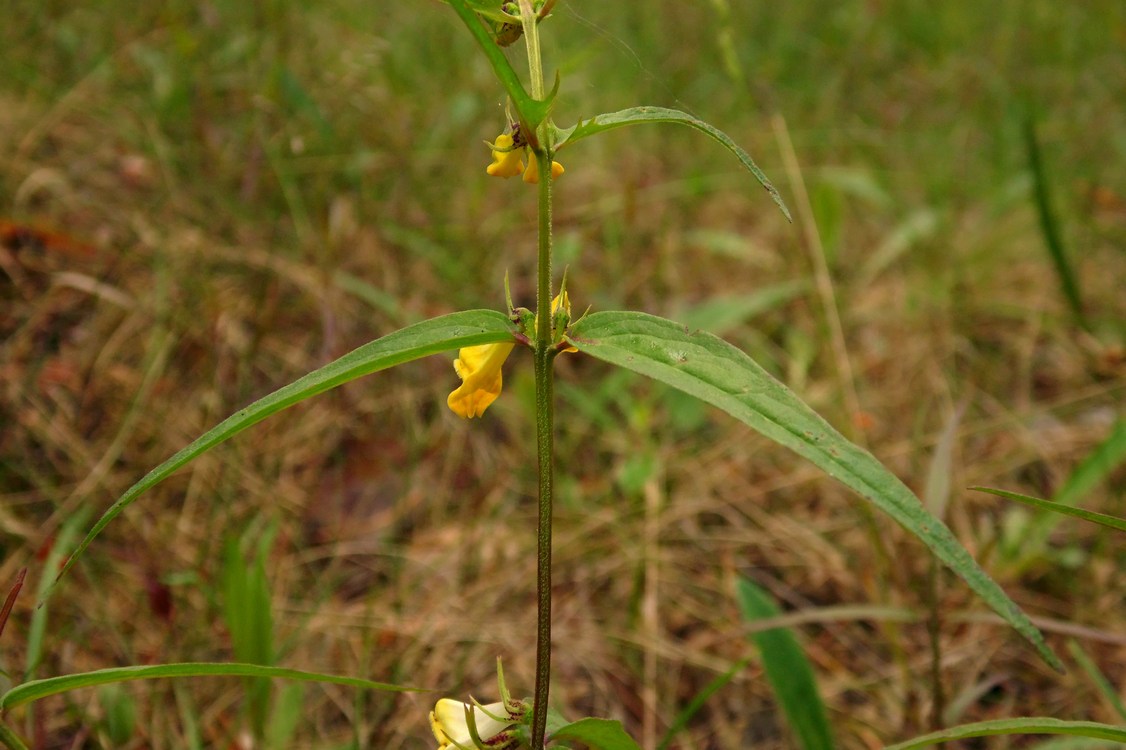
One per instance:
(545,415)
(10,739)
(532,42)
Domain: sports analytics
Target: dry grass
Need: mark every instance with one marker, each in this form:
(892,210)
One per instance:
(197,265)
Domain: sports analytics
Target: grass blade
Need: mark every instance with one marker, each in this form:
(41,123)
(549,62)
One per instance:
(1048,224)
(1087,515)
(1027,725)
(787,670)
(452,331)
(1087,664)
(716,372)
(37,689)
(37,630)
(697,702)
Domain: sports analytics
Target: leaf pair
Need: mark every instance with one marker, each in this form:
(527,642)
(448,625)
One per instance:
(697,363)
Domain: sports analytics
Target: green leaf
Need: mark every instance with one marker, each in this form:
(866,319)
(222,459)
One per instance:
(1065,273)
(1087,515)
(531,112)
(468,328)
(603,734)
(120,713)
(1102,461)
(1095,675)
(787,670)
(1027,725)
(634,115)
(37,630)
(716,372)
(285,717)
(249,619)
(698,701)
(37,689)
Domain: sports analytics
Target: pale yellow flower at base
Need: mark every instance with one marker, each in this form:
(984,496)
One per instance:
(506,163)
(451,729)
(532,173)
(479,369)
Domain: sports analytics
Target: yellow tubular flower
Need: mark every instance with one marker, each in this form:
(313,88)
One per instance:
(506,163)
(451,729)
(479,370)
(532,173)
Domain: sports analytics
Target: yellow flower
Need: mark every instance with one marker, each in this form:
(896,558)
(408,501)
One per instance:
(532,173)
(479,370)
(451,729)
(506,159)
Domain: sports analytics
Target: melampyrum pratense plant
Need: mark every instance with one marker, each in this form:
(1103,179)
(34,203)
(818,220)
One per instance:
(692,361)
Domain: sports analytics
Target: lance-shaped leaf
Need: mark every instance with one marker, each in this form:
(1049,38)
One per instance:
(38,689)
(633,115)
(709,368)
(453,331)
(787,670)
(1024,725)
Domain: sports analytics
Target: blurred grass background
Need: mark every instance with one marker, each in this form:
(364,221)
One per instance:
(204,200)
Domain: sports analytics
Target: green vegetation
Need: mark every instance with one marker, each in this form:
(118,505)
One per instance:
(200,203)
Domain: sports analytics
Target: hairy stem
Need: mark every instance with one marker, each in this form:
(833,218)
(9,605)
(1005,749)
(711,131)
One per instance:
(545,414)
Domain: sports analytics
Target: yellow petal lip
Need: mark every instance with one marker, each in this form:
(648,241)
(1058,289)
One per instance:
(479,368)
(451,729)
(532,173)
(506,159)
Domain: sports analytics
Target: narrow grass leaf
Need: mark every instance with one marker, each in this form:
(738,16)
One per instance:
(10,738)
(1104,459)
(285,717)
(633,115)
(1028,725)
(1095,675)
(468,328)
(681,720)
(936,491)
(1087,515)
(787,670)
(38,689)
(249,618)
(1048,224)
(37,629)
(716,372)
(602,734)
